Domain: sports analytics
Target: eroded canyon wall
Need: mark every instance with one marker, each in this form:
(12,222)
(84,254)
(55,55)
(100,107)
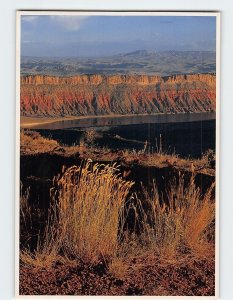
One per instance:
(116,94)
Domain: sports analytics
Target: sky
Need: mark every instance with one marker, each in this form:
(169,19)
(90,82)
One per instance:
(95,36)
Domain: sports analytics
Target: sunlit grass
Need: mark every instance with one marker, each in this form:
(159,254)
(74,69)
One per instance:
(88,220)
(182,225)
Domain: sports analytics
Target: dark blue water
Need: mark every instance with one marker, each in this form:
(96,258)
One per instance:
(189,135)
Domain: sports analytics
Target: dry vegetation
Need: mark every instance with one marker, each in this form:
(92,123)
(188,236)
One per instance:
(88,225)
(32,143)
(181,225)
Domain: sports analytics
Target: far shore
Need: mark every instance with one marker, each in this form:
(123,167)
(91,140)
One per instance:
(30,122)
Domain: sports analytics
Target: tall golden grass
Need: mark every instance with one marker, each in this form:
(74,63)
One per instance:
(90,206)
(87,218)
(89,212)
(183,224)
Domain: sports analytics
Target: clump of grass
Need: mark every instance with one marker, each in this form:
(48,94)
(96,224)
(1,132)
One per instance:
(183,224)
(86,218)
(47,247)
(89,211)
(46,252)
(208,158)
(90,136)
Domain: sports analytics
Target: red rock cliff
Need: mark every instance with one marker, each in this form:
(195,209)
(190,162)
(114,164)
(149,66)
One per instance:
(116,94)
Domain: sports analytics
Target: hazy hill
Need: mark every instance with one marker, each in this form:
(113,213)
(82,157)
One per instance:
(140,62)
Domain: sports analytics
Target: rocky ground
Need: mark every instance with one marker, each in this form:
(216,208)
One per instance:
(144,276)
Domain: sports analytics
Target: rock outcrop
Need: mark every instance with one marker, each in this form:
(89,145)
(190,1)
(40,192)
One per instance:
(116,94)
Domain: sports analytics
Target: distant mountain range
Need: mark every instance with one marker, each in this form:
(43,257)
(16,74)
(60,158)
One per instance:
(138,62)
(92,95)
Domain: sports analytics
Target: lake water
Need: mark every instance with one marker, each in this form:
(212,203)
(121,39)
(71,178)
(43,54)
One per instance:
(188,135)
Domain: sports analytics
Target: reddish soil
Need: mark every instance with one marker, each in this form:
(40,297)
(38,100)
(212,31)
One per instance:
(88,95)
(145,276)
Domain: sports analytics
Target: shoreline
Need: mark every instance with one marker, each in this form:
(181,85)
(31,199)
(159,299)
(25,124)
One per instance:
(31,122)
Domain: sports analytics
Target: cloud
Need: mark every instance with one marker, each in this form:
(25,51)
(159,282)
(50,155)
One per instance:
(69,23)
(29,18)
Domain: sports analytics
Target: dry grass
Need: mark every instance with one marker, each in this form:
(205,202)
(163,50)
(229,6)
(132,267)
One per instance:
(87,218)
(88,214)
(182,225)
(118,267)
(25,208)
(162,159)
(44,256)
(91,201)
(47,248)
(32,143)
